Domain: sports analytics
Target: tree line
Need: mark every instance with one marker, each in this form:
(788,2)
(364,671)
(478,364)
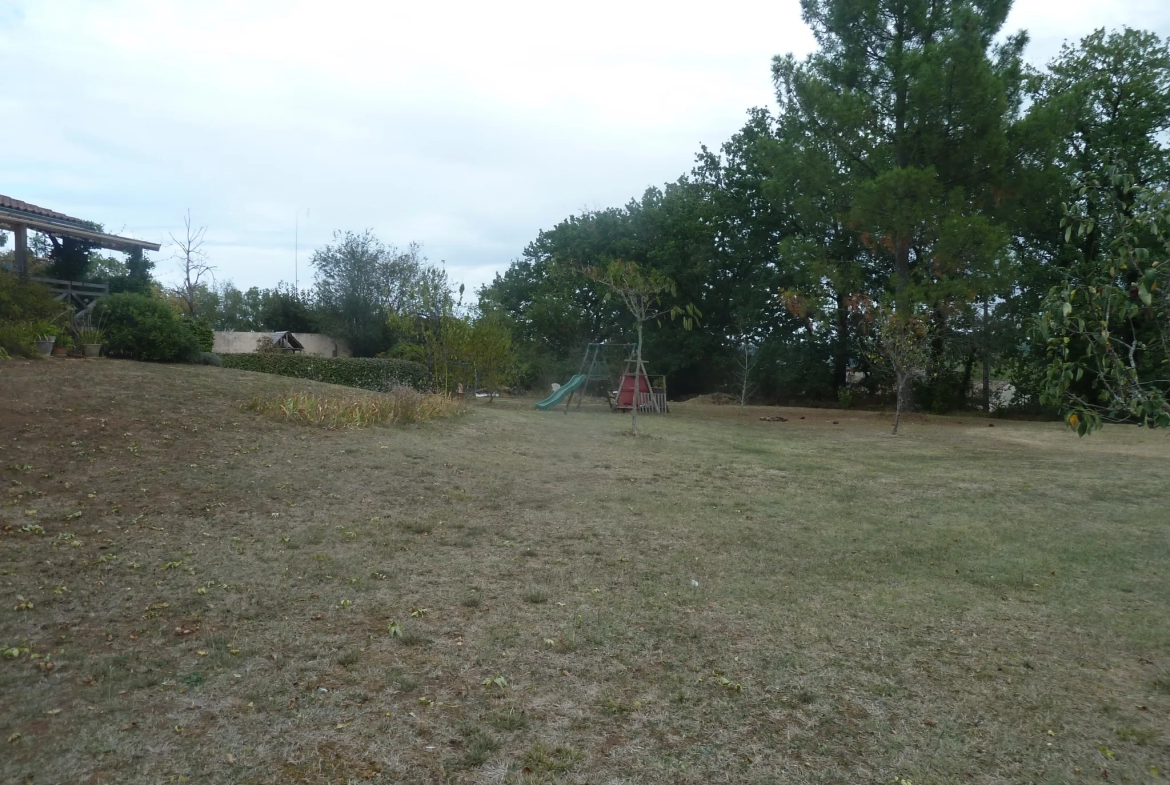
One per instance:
(382,301)
(921,212)
(916,177)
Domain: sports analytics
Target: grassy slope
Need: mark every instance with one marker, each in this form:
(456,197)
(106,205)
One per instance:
(958,604)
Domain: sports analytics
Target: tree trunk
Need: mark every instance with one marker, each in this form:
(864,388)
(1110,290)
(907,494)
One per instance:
(968,368)
(637,374)
(986,364)
(841,356)
(902,380)
(746,370)
(901,160)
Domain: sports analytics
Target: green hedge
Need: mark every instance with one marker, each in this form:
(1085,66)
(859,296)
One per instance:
(365,372)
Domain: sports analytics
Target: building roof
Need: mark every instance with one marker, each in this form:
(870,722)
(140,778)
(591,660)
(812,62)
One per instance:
(286,339)
(14,212)
(8,203)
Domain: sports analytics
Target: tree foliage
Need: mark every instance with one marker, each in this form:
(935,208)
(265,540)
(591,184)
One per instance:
(912,159)
(1107,325)
(360,283)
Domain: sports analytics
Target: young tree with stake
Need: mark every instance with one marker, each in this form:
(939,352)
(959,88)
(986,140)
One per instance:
(904,341)
(640,291)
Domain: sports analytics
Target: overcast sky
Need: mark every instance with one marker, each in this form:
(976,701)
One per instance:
(466,127)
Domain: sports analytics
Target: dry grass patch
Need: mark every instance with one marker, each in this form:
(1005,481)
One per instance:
(189,592)
(399,406)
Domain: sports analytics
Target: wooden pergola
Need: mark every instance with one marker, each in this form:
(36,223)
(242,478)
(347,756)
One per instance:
(19,217)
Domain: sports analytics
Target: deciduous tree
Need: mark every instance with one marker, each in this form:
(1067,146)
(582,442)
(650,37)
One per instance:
(193,265)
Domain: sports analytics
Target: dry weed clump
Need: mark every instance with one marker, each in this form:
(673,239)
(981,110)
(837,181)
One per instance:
(399,406)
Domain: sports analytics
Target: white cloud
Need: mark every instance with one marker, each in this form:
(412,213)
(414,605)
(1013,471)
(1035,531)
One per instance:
(467,127)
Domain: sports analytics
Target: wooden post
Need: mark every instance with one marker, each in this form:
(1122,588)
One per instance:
(591,351)
(21,233)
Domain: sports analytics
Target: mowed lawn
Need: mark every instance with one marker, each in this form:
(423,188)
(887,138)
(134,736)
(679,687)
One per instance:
(195,593)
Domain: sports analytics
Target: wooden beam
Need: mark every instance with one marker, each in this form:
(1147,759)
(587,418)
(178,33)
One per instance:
(21,232)
(11,219)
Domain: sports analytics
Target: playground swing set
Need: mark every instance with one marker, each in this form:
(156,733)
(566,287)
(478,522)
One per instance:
(633,384)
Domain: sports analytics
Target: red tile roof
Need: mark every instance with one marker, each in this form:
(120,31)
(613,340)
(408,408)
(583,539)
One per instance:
(15,204)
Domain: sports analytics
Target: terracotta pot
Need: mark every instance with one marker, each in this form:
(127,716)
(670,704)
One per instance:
(60,351)
(45,347)
(93,349)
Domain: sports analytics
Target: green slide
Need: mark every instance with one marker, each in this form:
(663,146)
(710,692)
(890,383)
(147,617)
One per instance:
(563,392)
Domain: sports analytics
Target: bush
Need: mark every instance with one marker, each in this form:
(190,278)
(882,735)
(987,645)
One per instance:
(22,300)
(19,339)
(27,309)
(367,373)
(211,358)
(203,332)
(142,328)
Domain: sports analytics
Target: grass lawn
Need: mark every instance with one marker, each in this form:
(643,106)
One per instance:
(198,593)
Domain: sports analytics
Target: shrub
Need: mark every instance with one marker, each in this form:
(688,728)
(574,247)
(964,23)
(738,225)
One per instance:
(203,332)
(142,328)
(22,300)
(368,373)
(19,339)
(402,405)
(211,358)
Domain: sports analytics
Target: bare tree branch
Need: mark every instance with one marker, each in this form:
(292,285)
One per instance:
(192,264)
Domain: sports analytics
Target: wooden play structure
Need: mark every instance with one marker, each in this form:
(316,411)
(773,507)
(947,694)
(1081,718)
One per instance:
(632,386)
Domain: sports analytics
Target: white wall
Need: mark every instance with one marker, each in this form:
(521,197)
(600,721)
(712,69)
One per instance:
(315,344)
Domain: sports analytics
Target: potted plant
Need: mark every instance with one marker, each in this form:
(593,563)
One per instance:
(90,341)
(46,336)
(62,345)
